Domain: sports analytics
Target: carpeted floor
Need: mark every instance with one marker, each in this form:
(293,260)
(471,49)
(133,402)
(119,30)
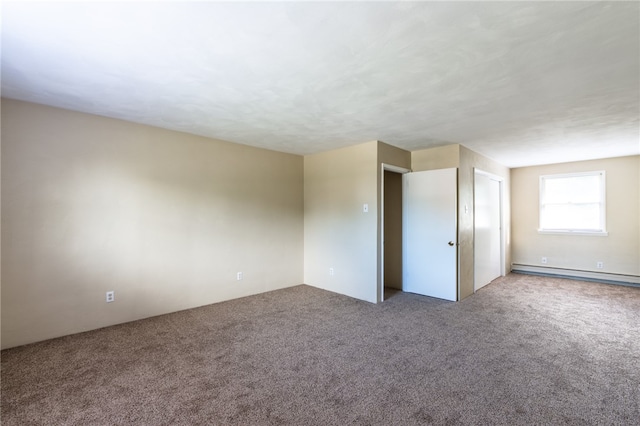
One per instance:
(523,350)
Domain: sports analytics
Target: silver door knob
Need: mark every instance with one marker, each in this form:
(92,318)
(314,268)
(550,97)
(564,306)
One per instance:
(451,243)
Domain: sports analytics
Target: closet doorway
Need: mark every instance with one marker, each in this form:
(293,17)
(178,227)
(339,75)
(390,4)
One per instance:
(391,224)
(419,233)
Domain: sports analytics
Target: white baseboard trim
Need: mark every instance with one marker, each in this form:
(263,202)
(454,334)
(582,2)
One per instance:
(604,277)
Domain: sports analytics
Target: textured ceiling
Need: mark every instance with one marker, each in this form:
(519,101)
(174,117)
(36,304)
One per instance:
(521,82)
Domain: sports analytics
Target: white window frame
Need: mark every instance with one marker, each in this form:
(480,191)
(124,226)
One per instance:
(574,231)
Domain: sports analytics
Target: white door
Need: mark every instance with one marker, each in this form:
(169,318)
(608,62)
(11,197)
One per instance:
(487,247)
(429,233)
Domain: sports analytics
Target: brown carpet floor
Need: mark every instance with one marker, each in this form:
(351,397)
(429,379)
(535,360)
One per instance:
(523,350)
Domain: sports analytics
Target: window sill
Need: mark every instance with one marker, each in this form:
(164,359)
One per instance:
(569,232)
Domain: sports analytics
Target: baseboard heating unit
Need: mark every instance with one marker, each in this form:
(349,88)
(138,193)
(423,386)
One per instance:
(602,277)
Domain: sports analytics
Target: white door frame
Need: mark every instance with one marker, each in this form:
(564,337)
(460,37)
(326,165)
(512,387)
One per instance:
(396,169)
(500,180)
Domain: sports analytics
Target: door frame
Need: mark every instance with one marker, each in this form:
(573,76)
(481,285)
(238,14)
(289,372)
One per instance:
(395,169)
(500,180)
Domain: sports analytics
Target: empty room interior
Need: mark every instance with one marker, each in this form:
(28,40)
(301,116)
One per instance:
(320,213)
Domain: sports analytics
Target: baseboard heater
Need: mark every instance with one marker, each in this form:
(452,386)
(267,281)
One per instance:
(602,277)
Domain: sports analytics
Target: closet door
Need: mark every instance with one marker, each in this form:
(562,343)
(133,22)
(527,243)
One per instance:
(487,230)
(430,219)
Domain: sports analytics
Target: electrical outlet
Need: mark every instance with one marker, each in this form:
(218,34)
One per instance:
(600,265)
(331,271)
(239,276)
(544,260)
(111,296)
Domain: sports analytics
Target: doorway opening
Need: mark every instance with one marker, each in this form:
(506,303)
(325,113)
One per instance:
(391,231)
(418,233)
(392,237)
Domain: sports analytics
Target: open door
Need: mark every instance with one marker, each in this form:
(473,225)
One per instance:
(430,249)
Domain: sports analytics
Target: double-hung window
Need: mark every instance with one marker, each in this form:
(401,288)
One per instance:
(573,203)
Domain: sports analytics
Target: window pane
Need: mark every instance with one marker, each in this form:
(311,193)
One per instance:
(572,202)
(575,189)
(571,216)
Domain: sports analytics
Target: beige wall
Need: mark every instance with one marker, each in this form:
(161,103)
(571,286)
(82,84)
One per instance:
(444,157)
(337,233)
(338,182)
(165,219)
(393,156)
(620,250)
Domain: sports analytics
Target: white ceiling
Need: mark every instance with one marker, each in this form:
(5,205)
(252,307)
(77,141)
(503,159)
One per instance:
(521,82)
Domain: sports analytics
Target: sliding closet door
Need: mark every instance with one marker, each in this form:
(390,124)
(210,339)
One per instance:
(487,230)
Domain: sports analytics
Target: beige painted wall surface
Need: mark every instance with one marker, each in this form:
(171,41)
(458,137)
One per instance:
(164,219)
(337,233)
(394,156)
(444,157)
(469,161)
(620,250)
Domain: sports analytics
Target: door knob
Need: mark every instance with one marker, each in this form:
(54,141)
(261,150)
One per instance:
(451,243)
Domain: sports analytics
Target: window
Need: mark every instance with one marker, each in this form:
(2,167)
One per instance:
(573,203)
